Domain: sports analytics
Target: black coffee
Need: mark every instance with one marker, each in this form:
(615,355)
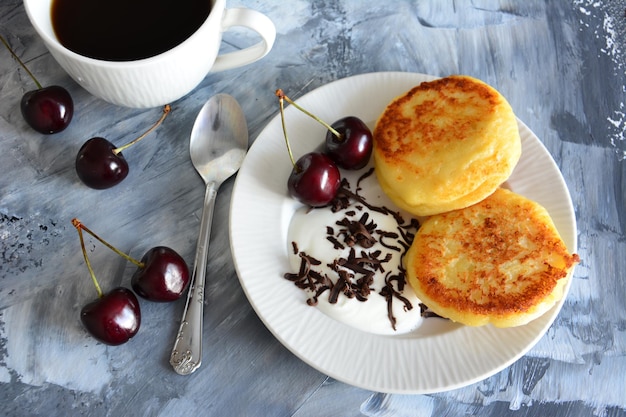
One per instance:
(126,30)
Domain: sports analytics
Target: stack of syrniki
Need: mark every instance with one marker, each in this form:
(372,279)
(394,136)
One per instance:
(482,254)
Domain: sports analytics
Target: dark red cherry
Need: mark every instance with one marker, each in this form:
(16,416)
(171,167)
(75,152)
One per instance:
(314,180)
(352,150)
(163,277)
(113,318)
(48,110)
(99,166)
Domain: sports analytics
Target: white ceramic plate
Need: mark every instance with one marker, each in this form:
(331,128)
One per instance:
(440,355)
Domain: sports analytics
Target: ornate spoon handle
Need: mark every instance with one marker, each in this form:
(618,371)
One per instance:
(187,352)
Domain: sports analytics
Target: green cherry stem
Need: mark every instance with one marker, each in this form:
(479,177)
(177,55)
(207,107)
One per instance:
(280,94)
(17,58)
(282,119)
(79,226)
(166,110)
(93,275)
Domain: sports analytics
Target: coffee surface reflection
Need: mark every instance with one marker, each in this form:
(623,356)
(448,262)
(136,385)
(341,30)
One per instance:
(123,30)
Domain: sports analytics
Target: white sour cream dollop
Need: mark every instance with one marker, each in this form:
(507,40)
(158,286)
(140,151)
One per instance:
(308,229)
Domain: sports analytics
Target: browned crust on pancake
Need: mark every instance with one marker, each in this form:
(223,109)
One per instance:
(503,229)
(392,124)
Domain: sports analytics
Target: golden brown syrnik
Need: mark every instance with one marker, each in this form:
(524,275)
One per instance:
(500,261)
(445,144)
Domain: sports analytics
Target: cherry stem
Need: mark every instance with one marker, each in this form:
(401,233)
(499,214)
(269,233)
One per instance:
(282,119)
(282,95)
(17,58)
(79,226)
(93,275)
(166,110)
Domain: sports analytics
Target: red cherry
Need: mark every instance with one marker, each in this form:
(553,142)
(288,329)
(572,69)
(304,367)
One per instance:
(99,166)
(164,276)
(112,318)
(48,110)
(314,180)
(353,147)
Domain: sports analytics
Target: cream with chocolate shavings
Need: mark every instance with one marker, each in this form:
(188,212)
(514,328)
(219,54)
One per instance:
(348,258)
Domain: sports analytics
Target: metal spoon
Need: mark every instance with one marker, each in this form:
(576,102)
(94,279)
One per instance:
(218,144)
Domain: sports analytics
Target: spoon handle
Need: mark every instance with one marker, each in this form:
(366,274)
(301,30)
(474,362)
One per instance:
(187,352)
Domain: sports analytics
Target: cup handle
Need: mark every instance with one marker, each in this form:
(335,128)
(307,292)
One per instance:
(251,19)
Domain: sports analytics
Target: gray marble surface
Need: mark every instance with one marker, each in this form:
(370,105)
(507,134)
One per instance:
(562,66)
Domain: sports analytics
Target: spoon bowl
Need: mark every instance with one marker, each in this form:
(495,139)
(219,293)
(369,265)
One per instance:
(219,139)
(217,146)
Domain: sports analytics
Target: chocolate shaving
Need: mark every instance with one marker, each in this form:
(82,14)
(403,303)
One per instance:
(354,267)
(389,292)
(363,177)
(357,232)
(340,285)
(336,243)
(320,290)
(341,200)
(406,233)
(426,312)
(306,278)
(390,235)
(399,279)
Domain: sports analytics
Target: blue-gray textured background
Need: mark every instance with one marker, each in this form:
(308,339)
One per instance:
(561,65)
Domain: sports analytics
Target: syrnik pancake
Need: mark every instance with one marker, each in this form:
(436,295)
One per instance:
(445,144)
(500,261)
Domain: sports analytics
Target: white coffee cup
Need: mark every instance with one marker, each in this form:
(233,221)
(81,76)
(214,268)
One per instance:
(166,77)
